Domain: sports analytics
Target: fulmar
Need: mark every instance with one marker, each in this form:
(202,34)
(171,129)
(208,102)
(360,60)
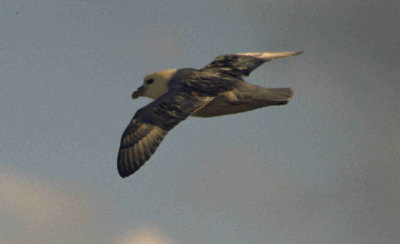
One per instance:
(217,89)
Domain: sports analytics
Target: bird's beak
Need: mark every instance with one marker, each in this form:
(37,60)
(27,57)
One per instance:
(140,91)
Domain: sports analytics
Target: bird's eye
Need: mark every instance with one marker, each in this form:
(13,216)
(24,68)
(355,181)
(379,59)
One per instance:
(149,81)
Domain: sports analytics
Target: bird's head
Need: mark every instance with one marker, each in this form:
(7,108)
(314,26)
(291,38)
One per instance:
(154,84)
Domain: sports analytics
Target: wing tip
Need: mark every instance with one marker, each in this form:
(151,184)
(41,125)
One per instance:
(272,55)
(123,176)
(125,172)
(124,165)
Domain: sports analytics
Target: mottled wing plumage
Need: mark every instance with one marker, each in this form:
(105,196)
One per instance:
(242,64)
(149,126)
(204,83)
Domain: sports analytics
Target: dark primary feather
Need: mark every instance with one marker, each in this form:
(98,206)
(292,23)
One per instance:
(241,64)
(149,126)
(234,64)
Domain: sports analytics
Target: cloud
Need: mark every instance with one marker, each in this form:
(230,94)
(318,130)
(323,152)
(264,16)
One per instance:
(39,205)
(44,211)
(146,235)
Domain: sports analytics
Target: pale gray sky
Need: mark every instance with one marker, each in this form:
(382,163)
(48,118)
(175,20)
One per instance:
(323,169)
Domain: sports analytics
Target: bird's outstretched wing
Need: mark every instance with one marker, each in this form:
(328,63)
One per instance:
(242,64)
(150,124)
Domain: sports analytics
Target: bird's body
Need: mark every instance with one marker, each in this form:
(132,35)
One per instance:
(217,89)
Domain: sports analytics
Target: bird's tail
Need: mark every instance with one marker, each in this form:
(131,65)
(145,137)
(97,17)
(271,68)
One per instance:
(277,96)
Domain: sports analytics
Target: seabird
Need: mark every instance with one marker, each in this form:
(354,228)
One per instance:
(217,89)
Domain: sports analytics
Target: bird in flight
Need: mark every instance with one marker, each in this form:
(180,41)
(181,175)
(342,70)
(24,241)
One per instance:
(217,89)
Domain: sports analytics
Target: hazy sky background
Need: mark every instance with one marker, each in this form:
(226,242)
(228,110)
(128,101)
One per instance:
(323,169)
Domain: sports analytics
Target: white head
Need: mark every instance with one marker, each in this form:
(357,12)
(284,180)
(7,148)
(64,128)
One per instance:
(154,84)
